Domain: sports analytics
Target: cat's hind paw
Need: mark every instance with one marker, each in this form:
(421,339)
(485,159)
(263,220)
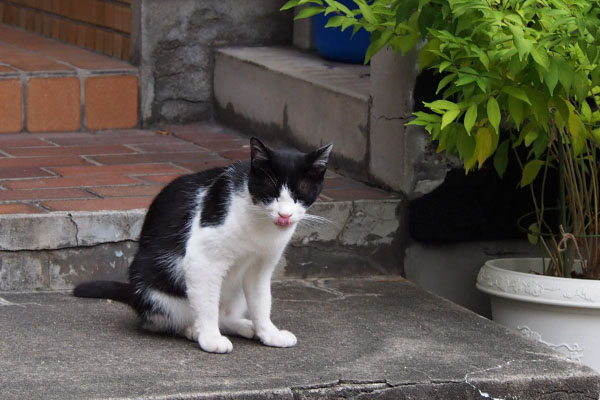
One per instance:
(215,344)
(190,334)
(240,327)
(278,338)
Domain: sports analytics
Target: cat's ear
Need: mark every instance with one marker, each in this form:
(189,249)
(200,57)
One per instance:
(320,158)
(259,153)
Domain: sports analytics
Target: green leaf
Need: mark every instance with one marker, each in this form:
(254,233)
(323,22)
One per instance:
(309,12)
(483,57)
(377,43)
(441,105)
(551,77)
(470,117)
(501,157)
(540,145)
(531,136)
(523,45)
(448,117)
(367,12)
(516,109)
(586,111)
(561,106)
(289,4)
(483,145)
(539,106)
(565,74)
(493,112)
(465,79)
(341,7)
(533,233)
(517,93)
(444,82)
(574,124)
(595,76)
(541,58)
(443,65)
(426,55)
(580,85)
(530,172)
(465,144)
(335,21)
(531,125)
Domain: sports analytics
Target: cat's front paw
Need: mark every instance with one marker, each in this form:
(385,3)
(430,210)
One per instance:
(278,338)
(215,344)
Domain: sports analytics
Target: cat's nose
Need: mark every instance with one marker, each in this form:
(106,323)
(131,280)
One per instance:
(284,214)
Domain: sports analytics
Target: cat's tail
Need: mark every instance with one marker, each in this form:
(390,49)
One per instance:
(113,290)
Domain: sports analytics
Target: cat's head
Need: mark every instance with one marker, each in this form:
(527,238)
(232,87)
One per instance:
(286,182)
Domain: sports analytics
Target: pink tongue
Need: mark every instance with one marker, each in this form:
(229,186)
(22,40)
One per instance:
(283,221)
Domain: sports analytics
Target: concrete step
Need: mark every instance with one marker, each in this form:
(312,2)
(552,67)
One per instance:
(298,98)
(47,86)
(72,206)
(381,338)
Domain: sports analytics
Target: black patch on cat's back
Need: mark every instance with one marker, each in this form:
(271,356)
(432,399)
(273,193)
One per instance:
(217,199)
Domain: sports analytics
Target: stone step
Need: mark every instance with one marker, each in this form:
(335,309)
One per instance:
(298,98)
(46,86)
(72,206)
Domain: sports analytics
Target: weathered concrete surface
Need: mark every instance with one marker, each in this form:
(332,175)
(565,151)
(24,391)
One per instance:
(360,339)
(298,99)
(58,250)
(61,269)
(173,45)
(363,238)
(59,230)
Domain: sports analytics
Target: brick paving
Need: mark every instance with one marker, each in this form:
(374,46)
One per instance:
(46,85)
(123,169)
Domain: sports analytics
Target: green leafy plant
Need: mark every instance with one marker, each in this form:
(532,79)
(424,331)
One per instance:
(516,75)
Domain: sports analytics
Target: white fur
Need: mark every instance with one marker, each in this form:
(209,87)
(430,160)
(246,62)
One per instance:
(227,271)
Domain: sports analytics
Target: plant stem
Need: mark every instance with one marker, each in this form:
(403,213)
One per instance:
(562,206)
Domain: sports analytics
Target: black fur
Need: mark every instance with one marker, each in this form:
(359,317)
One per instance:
(118,291)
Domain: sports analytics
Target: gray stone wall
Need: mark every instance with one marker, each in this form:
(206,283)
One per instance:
(173,46)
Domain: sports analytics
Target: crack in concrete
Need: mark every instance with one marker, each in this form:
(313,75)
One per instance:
(346,222)
(341,388)
(76,228)
(7,303)
(483,394)
(386,118)
(321,285)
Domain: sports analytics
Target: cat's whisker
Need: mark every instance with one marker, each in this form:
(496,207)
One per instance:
(317,219)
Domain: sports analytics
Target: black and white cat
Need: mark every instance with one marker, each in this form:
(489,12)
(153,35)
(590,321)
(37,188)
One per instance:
(210,243)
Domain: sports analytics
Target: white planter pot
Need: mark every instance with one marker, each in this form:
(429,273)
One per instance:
(562,313)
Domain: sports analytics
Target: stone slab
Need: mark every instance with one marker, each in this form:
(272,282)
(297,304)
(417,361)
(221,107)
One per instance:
(358,338)
(61,269)
(59,230)
(296,98)
(58,250)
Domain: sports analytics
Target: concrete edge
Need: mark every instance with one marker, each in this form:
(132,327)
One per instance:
(357,222)
(233,53)
(58,250)
(59,230)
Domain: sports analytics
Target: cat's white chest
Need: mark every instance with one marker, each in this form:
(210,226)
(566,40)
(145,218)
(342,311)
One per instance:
(245,234)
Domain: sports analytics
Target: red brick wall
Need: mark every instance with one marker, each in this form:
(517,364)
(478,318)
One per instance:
(100,25)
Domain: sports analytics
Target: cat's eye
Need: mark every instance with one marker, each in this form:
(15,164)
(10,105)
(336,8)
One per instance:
(304,186)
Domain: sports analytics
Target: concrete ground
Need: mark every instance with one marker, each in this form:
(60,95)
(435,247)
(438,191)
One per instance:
(378,338)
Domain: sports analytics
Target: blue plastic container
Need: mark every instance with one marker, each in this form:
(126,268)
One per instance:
(336,45)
